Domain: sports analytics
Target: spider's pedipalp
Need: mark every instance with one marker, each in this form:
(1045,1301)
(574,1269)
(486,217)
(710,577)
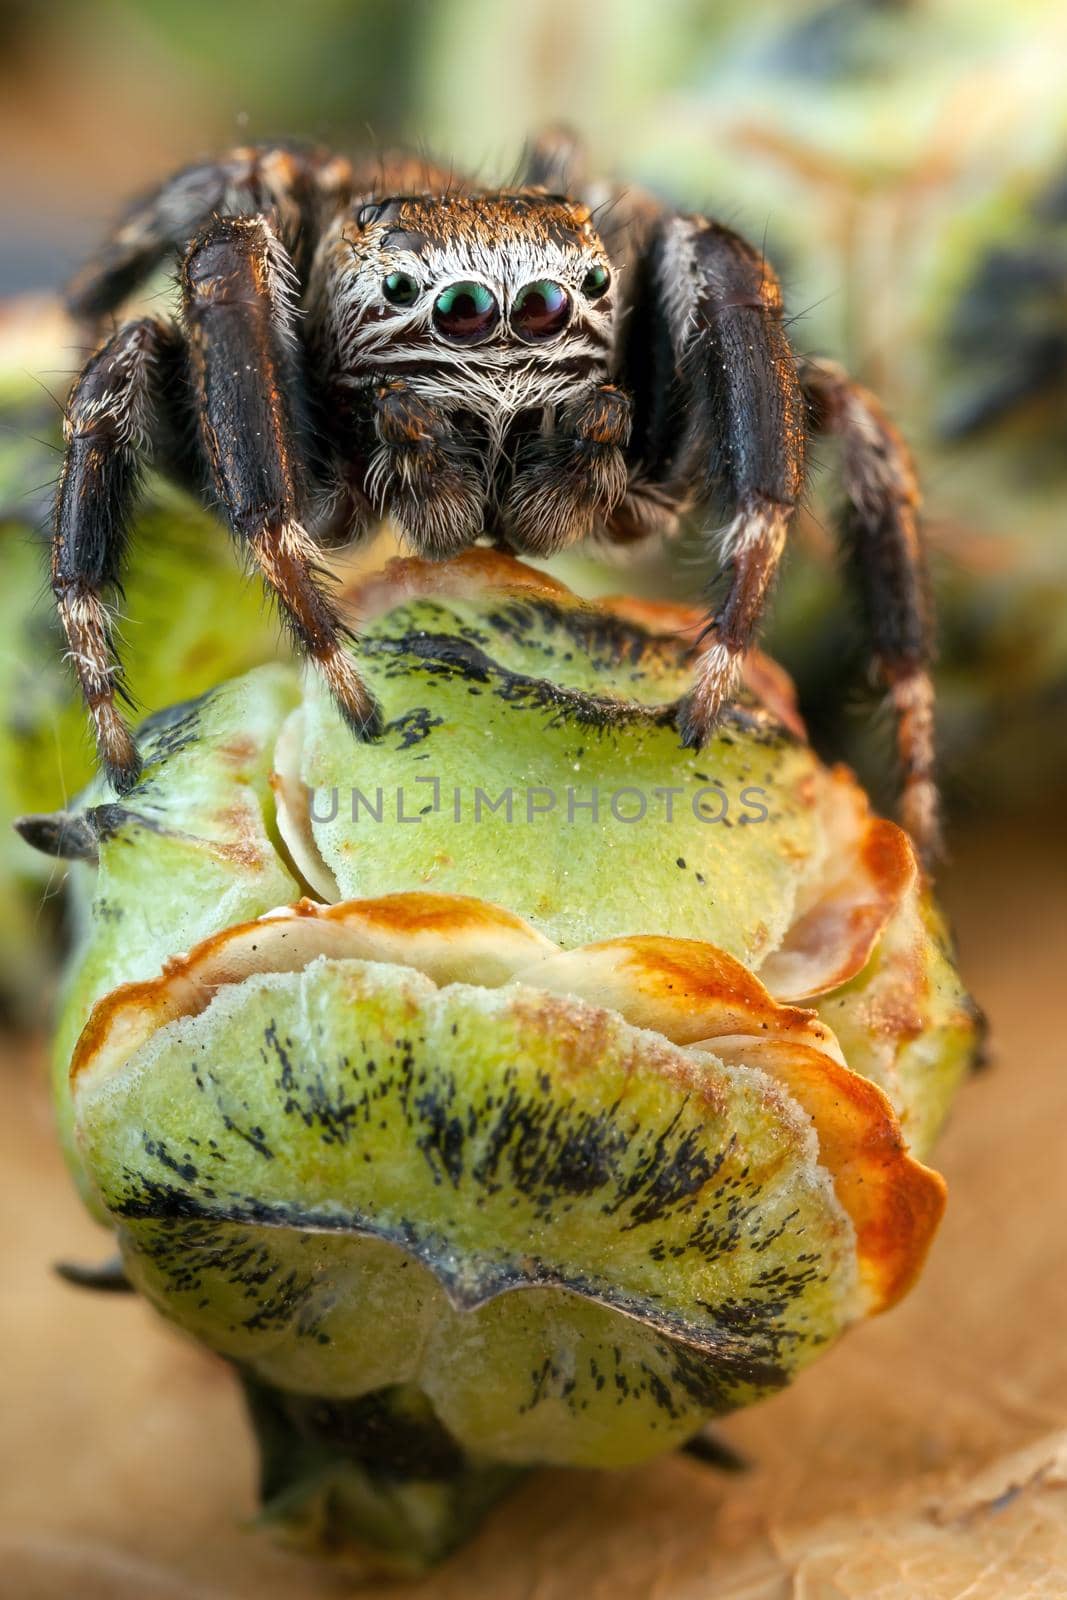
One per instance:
(421,473)
(884,545)
(568,481)
(109,421)
(246,371)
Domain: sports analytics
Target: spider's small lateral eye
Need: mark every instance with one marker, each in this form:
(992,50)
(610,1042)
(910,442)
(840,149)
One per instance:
(400,289)
(541,310)
(465,313)
(595,282)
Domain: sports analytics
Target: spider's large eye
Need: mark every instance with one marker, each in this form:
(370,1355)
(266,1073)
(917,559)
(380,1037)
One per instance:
(595,282)
(400,289)
(465,313)
(541,310)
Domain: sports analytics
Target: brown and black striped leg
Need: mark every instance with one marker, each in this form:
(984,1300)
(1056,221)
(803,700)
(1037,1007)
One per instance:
(739,384)
(236,283)
(292,184)
(884,545)
(421,474)
(109,420)
(567,481)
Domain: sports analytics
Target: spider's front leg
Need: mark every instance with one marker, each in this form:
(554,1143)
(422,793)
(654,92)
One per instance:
(245,368)
(111,415)
(738,379)
(569,480)
(422,474)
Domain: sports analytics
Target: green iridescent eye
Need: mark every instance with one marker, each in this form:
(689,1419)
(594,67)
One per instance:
(465,313)
(541,311)
(400,289)
(595,282)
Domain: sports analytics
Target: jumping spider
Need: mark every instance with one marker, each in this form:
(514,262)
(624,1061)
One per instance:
(533,365)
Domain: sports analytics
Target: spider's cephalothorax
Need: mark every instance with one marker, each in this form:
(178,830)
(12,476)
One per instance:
(483,319)
(531,365)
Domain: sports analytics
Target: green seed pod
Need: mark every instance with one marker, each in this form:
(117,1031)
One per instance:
(519,1089)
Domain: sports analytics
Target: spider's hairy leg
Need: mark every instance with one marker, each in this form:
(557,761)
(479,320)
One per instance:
(568,479)
(108,422)
(755,541)
(293,184)
(245,366)
(554,159)
(884,544)
(421,474)
(724,309)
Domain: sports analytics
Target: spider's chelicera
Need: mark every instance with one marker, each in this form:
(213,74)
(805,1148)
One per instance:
(531,365)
